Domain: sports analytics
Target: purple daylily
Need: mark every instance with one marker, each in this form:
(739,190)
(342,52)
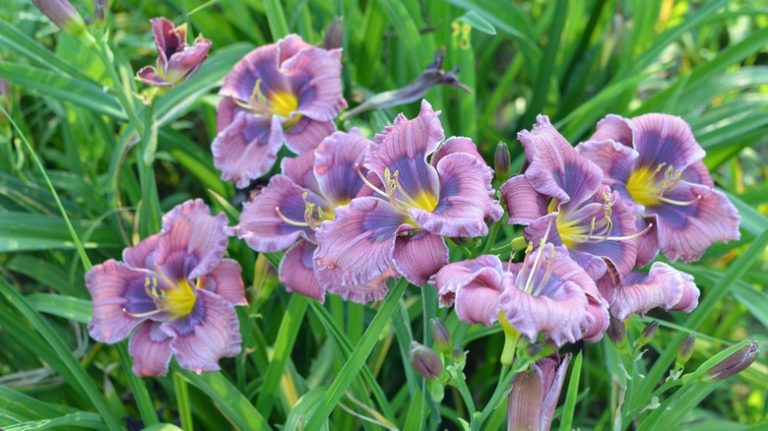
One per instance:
(177,288)
(655,163)
(663,286)
(548,293)
(287,212)
(175,59)
(286,92)
(534,394)
(416,204)
(561,188)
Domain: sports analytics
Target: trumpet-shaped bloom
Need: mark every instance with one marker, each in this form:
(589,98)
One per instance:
(655,162)
(287,92)
(179,291)
(285,215)
(175,59)
(534,395)
(663,286)
(547,293)
(416,203)
(561,188)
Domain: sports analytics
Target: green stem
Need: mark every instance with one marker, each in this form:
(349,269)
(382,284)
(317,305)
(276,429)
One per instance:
(140,393)
(494,232)
(182,401)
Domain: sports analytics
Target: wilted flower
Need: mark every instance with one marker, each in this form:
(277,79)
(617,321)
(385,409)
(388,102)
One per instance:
(424,361)
(63,14)
(655,162)
(561,187)
(176,60)
(735,363)
(663,286)
(416,203)
(534,395)
(179,291)
(286,92)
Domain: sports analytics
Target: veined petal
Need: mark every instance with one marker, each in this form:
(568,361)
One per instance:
(306,134)
(149,76)
(301,170)
(142,255)
(358,245)
(315,75)
(374,290)
(524,203)
(184,63)
(686,231)
(456,144)
(556,169)
(419,256)
(150,349)
(258,66)
(534,395)
(226,280)
(465,199)
(663,286)
(478,303)
(613,128)
(615,159)
(209,333)
(485,270)
(247,148)
(337,161)
(167,39)
(261,225)
(647,243)
(662,138)
(113,287)
(297,271)
(191,231)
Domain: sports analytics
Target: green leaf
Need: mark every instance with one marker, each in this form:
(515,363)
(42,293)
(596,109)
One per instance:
(14,40)
(477,22)
(571,394)
(67,307)
(77,419)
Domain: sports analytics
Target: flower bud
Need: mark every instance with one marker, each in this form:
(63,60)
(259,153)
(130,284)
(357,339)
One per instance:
(425,361)
(735,363)
(617,331)
(686,351)
(501,162)
(99,9)
(63,14)
(334,36)
(648,332)
(5,97)
(441,335)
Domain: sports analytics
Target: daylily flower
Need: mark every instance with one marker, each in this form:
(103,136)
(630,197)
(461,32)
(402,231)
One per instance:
(416,203)
(562,188)
(547,293)
(176,288)
(534,395)
(663,286)
(655,163)
(176,60)
(63,14)
(287,92)
(287,212)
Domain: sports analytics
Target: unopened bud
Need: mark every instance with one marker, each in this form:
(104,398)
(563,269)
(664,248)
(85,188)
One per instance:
(425,361)
(617,331)
(441,335)
(63,14)
(501,162)
(686,351)
(735,363)
(5,97)
(99,9)
(334,36)
(648,332)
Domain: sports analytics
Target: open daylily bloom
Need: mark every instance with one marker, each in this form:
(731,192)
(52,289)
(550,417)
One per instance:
(416,203)
(286,92)
(175,59)
(655,163)
(663,286)
(177,288)
(287,212)
(534,395)
(562,188)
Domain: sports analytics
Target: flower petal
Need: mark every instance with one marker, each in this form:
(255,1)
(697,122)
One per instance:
(374,290)
(260,223)
(534,395)
(114,286)
(616,160)
(297,271)
(307,134)
(419,256)
(142,255)
(556,169)
(357,246)
(478,303)
(258,66)
(614,128)
(663,286)
(190,231)
(686,231)
(664,139)
(315,75)
(149,76)
(226,280)
(150,350)
(456,144)
(167,39)
(301,170)
(524,203)
(184,63)
(209,333)
(247,148)
(465,199)
(485,270)
(337,161)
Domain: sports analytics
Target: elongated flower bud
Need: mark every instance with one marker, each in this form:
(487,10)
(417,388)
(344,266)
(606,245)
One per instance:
(534,395)
(501,162)
(63,14)
(735,363)
(648,332)
(617,331)
(441,335)
(99,9)
(425,361)
(686,351)
(334,36)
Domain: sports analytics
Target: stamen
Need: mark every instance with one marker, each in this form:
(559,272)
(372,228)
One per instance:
(368,183)
(145,314)
(527,287)
(680,203)
(625,237)
(291,222)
